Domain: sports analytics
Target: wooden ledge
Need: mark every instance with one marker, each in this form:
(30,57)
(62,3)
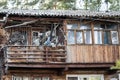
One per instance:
(60,65)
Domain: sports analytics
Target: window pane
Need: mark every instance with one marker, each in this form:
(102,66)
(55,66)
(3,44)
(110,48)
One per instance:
(87,35)
(79,37)
(45,78)
(114,36)
(85,78)
(37,78)
(85,26)
(26,78)
(103,26)
(35,38)
(97,27)
(72,78)
(71,37)
(17,78)
(106,37)
(95,78)
(72,26)
(111,26)
(98,37)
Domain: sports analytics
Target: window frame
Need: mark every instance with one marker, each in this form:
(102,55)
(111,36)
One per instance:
(31,77)
(107,27)
(84,75)
(79,30)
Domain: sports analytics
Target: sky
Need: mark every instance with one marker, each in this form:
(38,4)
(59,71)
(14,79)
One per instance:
(80,4)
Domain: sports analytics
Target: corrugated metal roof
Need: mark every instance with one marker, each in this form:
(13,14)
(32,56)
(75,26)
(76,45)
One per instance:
(60,13)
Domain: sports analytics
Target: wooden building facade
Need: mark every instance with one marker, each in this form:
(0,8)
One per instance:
(59,45)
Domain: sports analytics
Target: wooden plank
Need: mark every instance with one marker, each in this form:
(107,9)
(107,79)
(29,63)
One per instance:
(69,65)
(91,53)
(78,54)
(98,53)
(35,50)
(86,55)
(65,31)
(26,57)
(118,52)
(73,53)
(77,50)
(109,53)
(22,24)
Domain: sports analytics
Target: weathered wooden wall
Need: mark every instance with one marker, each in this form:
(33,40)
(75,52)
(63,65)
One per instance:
(93,53)
(0,65)
(1,62)
(55,74)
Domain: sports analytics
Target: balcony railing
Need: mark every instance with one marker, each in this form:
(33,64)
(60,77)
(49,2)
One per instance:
(35,54)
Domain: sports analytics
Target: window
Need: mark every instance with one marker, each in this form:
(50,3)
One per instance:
(20,78)
(36,38)
(79,37)
(17,78)
(26,78)
(30,78)
(72,78)
(71,33)
(99,33)
(45,78)
(114,36)
(105,34)
(87,36)
(41,78)
(79,34)
(87,33)
(71,37)
(85,77)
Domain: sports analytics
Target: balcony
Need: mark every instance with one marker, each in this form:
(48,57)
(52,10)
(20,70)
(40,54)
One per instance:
(80,56)
(35,54)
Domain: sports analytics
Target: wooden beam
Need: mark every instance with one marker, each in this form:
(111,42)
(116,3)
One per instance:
(92,33)
(96,19)
(22,18)
(65,31)
(116,21)
(34,18)
(22,24)
(62,65)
